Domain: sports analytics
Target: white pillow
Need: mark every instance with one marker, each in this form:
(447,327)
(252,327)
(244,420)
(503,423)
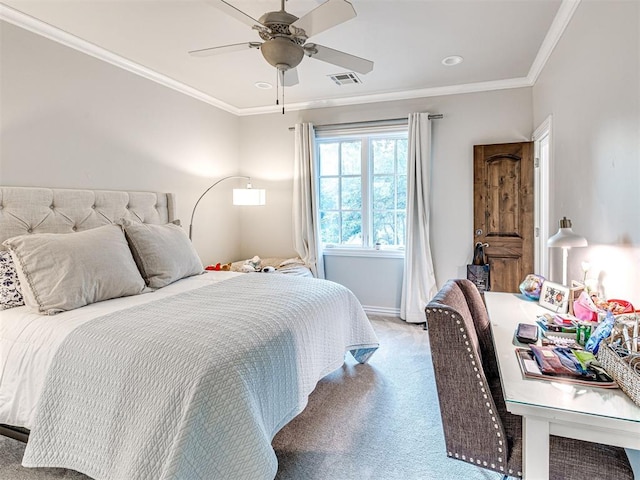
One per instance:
(63,271)
(163,253)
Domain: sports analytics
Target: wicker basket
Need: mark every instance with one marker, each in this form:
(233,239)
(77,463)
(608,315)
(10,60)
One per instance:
(622,371)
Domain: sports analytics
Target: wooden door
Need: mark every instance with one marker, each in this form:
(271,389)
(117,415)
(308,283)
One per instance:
(503,203)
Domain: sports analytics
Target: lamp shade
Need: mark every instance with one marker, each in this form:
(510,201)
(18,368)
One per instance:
(249,196)
(565,237)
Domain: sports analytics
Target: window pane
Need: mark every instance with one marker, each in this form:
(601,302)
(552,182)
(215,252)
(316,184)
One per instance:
(351,158)
(389,227)
(329,159)
(330,227)
(329,194)
(384,228)
(352,228)
(402,191)
(383,195)
(352,193)
(383,155)
(402,156)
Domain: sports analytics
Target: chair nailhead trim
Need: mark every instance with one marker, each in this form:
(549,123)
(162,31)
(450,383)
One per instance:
(484,392)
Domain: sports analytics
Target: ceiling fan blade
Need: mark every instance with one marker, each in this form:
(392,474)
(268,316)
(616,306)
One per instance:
(234,12)
(327,15)
(336,57)
(206,52)
(290,78)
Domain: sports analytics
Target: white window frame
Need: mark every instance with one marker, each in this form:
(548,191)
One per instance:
(367,249)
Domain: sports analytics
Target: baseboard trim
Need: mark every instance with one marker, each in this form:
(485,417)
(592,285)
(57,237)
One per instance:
(392,312)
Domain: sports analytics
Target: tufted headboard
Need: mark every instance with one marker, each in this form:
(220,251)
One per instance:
(44,210)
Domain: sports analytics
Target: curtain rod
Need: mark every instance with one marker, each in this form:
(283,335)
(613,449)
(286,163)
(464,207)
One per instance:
(390,121)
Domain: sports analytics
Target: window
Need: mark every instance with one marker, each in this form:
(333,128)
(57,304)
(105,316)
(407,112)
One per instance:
(362,185)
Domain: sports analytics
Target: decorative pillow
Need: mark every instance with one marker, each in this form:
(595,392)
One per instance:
(63,271)
(10,291)
(163,253)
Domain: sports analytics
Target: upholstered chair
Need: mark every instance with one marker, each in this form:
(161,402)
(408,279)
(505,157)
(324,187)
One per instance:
(477,427)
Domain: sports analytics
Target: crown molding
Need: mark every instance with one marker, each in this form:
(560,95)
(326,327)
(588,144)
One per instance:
(393,96)
(560,22)
(43,29)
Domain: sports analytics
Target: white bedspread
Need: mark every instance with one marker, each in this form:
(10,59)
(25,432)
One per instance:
(193,386)
(28,342)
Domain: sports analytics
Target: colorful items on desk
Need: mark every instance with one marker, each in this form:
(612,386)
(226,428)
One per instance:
(554,360)
(558,323)
(567,325)
(531,286)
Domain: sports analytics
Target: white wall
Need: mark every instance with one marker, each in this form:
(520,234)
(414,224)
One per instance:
(470,119)
(71,121)
(591,86)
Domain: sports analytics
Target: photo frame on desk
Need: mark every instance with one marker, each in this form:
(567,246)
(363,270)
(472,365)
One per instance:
(555,297)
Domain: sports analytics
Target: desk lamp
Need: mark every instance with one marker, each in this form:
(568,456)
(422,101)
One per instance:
(241,196)
(565,239)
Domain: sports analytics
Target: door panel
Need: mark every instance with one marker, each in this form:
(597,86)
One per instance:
(503,210)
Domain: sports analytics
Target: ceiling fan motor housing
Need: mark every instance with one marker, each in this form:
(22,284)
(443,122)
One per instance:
(282,53)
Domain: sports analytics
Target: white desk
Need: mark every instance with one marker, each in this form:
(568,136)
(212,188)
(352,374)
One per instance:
(547,408)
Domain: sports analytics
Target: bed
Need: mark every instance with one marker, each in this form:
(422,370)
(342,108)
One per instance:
(183,378)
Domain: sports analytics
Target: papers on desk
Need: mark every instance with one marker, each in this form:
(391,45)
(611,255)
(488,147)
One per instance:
(530,369)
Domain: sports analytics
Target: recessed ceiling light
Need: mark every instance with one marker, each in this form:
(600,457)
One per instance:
(263,85)
(452,60)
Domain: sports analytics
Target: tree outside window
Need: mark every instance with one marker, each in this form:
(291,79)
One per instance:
(362,182)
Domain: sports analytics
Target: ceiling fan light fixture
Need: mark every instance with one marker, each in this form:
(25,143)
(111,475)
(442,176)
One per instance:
(281,53)
(452,60)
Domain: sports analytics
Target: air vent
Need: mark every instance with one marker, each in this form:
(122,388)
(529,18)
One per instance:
(345,78)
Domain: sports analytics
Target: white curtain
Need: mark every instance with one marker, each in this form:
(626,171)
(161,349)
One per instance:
(306,226)
(418,282)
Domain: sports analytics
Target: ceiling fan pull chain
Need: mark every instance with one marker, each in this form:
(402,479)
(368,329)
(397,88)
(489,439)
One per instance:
(283,92)
(277,87)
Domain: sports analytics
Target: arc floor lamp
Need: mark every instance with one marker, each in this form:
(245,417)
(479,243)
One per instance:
(241,196)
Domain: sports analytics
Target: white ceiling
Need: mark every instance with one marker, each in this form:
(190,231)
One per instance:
(502,42)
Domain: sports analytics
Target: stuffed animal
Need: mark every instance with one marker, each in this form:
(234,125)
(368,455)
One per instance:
(252,265)
(219,267)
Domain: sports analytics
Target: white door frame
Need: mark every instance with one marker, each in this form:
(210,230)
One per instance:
(543,155)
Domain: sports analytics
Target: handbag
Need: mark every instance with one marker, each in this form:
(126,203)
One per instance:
(478,271)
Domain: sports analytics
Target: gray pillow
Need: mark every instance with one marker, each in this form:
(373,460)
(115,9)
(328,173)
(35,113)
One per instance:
(63,271)
(163,253)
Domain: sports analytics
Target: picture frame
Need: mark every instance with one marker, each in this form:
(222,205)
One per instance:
(574,292)
(555,297)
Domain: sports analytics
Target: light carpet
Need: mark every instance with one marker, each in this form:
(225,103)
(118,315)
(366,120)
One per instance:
(379,421)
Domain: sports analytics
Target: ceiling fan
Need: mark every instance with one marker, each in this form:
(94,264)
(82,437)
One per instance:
(284,38)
